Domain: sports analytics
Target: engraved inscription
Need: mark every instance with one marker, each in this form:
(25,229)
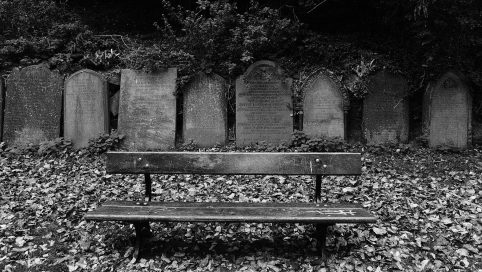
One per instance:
(33,104)
(85,112)
(449,113)
(205,112)
(385,110)
(147,110)
(263,105)
(323,109)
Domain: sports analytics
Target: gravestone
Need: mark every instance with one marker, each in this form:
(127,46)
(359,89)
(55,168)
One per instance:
(205,112)
(33,105)
(263,105)
(450,112)
(324,108)
(386,110)
(147,109)
(86,113)
(114,104)
(2,106)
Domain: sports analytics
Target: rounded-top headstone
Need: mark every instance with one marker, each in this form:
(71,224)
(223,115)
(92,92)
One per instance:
(86,113)
(147,109)
(263,105)
(205,111)
(450,112)
(323,109)
(386,110)
(33,105)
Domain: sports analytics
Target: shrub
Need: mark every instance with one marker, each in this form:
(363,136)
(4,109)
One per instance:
(105,143)
(35,29)
(215,37)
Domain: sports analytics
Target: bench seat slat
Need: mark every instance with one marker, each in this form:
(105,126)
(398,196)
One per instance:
(232,212)
(232,163)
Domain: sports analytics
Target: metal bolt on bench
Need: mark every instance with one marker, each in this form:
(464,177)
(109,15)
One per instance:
(317,164)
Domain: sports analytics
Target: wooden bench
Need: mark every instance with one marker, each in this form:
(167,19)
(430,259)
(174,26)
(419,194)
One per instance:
(316,164)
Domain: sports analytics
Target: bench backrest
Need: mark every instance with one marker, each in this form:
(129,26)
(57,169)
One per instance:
(234,163)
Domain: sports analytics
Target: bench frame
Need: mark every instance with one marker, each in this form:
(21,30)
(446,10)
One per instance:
(147,163)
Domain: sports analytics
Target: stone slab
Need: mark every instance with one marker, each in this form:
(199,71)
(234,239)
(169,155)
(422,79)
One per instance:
(86,113)
(323,109)
(450,112)
(33,106)
(114,104)
(2,106)
(263,105)
(147,109)
(205,111)
(386,109)
(477,133)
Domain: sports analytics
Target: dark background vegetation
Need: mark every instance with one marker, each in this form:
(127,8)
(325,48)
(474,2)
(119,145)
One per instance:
(350,39)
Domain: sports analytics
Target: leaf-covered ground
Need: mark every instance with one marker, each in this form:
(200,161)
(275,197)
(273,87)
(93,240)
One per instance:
(428,204)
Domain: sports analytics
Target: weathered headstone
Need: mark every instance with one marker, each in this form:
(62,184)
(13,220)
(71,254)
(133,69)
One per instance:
(450,112)
(324,108)
(386,110)
(205,112)
(33,105)
(263,105)
(114,103)
(477,133)
(2,106)
(147,109)
(86,113)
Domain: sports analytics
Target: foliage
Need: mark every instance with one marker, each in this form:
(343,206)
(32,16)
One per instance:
(216,37)
(299,138)
(419,38)
(54,146)
(44,148)
(104,143)
(24,18)
(445,34)
(35,29)
(302,143)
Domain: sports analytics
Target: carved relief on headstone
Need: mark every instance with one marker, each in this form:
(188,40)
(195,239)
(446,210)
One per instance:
(450,112)
(386,110)
(324,108)
(263,105)
(2,106)
(86,113)
(205,112)
(33,105)
(147,109)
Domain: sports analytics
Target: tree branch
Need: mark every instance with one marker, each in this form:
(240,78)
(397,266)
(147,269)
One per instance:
(315,7)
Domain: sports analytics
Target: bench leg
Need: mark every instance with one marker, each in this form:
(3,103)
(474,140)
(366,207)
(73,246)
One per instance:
(145,229)
(321,231)
(137,250)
